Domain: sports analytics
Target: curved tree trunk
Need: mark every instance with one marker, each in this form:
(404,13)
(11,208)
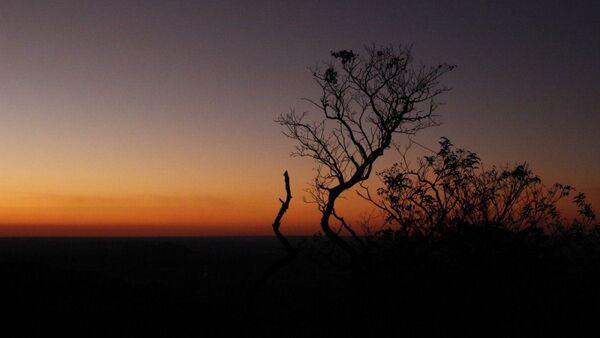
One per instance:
(332,235)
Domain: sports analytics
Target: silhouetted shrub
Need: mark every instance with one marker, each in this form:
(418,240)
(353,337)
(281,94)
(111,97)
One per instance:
(452,189)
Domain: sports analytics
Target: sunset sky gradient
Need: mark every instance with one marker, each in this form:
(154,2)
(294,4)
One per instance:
(157,117)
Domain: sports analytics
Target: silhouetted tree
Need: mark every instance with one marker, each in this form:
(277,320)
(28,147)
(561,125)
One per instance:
(365,101)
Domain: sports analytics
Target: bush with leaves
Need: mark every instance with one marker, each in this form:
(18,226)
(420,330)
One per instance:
(451,189)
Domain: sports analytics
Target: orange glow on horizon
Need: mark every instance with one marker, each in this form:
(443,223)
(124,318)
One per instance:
(133,215)
(152,215)
(213,213)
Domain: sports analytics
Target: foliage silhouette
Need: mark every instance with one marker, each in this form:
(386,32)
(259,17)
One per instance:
(453,234)
(451,189)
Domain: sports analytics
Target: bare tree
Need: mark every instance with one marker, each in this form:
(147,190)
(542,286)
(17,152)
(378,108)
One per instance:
(291,251)
(365,101)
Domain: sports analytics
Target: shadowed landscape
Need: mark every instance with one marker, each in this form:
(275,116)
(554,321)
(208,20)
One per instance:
(474,283)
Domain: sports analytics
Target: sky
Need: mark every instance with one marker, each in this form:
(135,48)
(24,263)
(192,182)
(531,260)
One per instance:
(157,117)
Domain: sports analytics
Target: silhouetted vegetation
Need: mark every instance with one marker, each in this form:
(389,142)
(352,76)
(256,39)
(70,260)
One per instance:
(447,211)
(366,100)
(460,249)
(451,189)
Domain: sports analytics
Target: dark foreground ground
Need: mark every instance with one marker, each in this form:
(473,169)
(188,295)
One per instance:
(202,287)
